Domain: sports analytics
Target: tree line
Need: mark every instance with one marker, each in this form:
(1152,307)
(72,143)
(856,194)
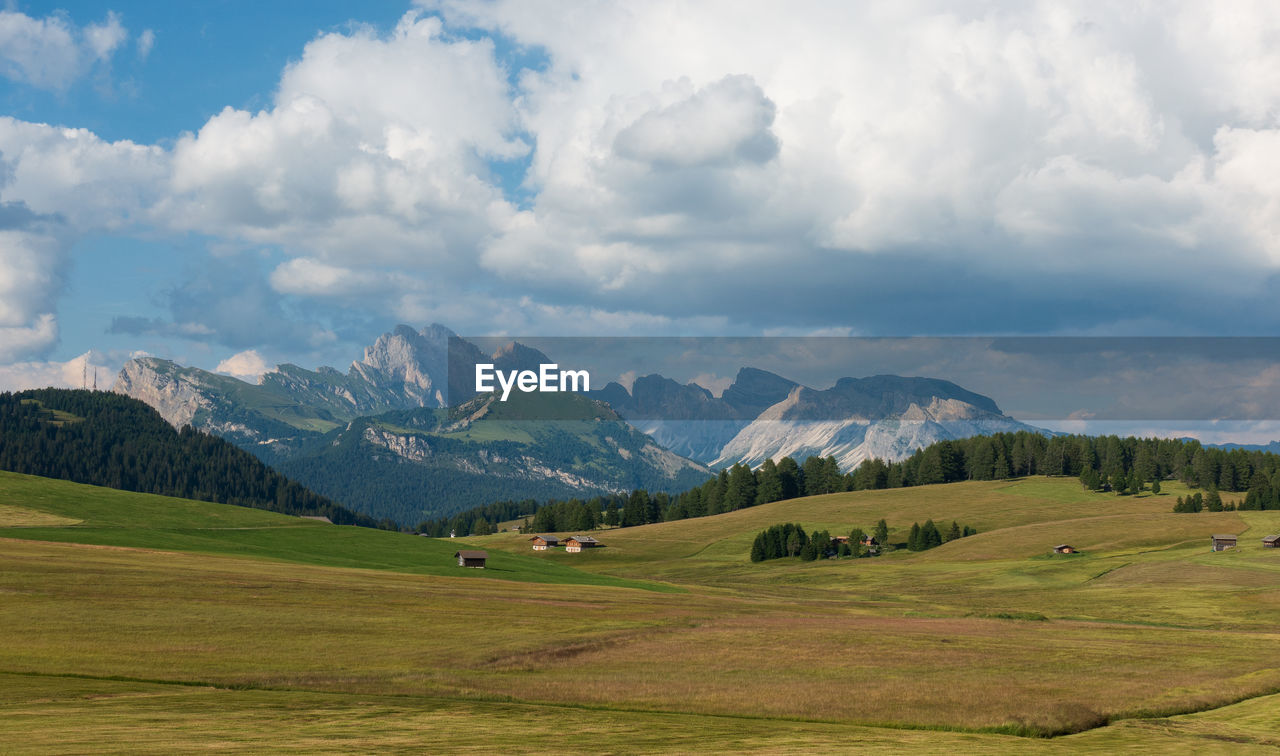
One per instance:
(111,440)
(1103,463)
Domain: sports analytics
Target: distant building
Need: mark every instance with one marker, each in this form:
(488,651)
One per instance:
(318,518)
(1224,542)
(578,543)
(1271,542)
(1064,549)
(471,558)
(870,540)
(542,543)
(839,539)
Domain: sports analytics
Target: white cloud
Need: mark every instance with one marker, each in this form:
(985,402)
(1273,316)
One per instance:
(373,152)
(102,39)
(709,167)
(247,366)
(146,41)
(79,372)
(90,183)
(36,337)
(725,122)
(51,52)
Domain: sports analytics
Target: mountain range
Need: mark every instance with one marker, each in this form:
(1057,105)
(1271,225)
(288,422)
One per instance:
(407,418)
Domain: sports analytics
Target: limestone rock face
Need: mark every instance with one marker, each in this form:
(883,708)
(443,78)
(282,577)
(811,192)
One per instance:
(175,393)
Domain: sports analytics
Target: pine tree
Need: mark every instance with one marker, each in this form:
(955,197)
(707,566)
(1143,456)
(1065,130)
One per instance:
(789,476)
(882,533)
(768,483)
(913,540)
(929,535)
(757,548)
(954,533)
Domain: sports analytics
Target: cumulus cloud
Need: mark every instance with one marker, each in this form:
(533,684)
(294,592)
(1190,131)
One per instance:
(724,122)
(247,366)
(711,167)
(374,151)
(33,261)
(80,178)
(79,372)
(51,52)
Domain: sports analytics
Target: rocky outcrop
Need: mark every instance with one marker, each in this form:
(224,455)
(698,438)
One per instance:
(177,394)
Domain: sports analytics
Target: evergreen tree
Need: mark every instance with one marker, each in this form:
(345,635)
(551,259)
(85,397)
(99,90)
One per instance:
(741,490)
(789,477)
(913,540)
(882,533)
(954,533)
(929,535)
(768,483)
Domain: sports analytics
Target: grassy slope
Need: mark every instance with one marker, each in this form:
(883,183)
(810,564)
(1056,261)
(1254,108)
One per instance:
(56,510)
(906,639)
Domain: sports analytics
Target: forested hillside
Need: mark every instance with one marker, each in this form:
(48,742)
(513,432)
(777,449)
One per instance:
(1102,463)
(111,440)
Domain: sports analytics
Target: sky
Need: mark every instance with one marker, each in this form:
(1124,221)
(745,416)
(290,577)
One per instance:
(237,184)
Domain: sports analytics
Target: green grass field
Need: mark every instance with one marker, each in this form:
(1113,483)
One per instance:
(142,624)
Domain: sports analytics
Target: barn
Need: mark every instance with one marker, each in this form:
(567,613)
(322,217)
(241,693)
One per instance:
(1223,542)
(578,543)
(542,543)
(1271,542)
(1064,548)
(471,558)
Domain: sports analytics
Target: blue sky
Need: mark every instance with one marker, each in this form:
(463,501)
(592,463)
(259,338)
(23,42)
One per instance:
(240,184)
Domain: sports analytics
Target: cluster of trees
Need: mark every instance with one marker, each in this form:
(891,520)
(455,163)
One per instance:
(927,536)
(111,440)
(1197,502)
(791,540)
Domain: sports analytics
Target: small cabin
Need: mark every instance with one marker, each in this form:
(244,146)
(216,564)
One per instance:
(1271,542)
(839,539)
(542,543)
(1064,548)
(578,543)
(471,558)
(1223,542)
(870,540)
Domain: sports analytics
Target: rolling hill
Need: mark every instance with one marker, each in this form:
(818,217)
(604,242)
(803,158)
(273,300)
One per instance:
(269,632)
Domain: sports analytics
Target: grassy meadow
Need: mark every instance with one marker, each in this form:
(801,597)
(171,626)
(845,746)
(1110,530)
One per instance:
(145,624)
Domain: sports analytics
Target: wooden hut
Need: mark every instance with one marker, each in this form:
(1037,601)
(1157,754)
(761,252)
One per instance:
(575,544)
(1223,542)
(542,543)
(1271,542)
(1064,548)
(471,558)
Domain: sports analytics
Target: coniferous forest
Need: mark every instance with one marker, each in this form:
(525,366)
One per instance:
(106,439)
(1124,466)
